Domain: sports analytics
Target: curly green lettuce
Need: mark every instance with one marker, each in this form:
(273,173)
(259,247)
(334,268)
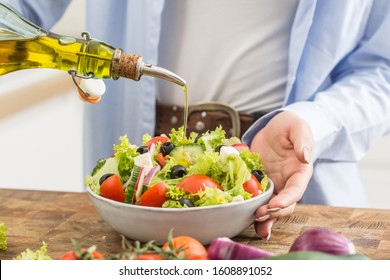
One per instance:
(212,139)
(3,237)
(109,166)
(212,196)
(125,153)
(252,160)
(178,137)
(40,254)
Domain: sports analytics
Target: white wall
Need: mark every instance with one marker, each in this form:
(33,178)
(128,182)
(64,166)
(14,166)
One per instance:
(41,130)
(41,123)
(375,169)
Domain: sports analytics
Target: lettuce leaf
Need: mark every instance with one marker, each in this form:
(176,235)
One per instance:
(178,137)
(212,139)
(206,164)
(145,138)
(125,154)
(3,237)
(235,174)
(212,196)
(252,160)
(99,164)
(174,194)
(40,254)
(110,166)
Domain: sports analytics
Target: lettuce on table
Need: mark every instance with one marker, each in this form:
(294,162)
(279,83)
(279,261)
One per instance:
(40,254)
(3,237)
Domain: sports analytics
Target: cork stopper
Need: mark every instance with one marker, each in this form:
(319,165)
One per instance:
(127,66)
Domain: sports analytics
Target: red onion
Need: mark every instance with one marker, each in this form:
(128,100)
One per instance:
(149,176)
(323,240)
(224,248)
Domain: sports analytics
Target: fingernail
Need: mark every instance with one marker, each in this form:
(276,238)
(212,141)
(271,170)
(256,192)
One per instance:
(269,231)
(306,154)
(262,218)
(269,235)
(273,210)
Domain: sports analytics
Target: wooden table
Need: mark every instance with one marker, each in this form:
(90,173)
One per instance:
(58,217)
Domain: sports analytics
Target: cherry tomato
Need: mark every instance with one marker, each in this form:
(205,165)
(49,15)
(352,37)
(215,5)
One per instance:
(161,159)
(192,248)
(154,196)
(82,255)
(253,186)
(157,140)
(196,182)
(240,147)
(112,188)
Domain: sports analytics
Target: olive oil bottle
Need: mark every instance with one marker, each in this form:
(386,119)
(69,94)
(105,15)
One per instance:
(23,45)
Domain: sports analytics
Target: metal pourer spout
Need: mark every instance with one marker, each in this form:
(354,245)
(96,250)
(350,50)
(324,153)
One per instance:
(131,66)
(159,72)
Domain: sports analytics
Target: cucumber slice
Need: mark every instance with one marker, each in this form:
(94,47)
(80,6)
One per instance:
(130,189)
(186,154)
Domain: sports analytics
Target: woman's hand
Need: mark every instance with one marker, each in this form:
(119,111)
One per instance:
(286,146)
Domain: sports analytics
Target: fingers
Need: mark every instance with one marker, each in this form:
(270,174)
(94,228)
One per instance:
(294,189)
(265,213)
(267,217)
(263,229)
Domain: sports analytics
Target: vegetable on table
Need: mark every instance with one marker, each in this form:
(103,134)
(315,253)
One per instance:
(3,237)
(80,253)
(224,248)
(189,248)
(323,240)
(315,255)
(40,254)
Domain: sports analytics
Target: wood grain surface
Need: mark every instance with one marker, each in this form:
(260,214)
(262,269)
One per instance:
(59,217)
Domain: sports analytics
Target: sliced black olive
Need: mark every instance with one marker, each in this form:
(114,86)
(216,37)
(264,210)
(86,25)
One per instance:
(178,171)
(258,174)
(218,148)
(104,177)
(186,201)
(166,148)
(142,149)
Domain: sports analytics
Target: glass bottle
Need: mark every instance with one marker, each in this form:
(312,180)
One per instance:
(24,45)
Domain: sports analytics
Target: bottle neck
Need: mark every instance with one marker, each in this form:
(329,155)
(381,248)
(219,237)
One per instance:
(126,65)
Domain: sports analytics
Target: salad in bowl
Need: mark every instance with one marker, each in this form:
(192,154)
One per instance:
(179,171)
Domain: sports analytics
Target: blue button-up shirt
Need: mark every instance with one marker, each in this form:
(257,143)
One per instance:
(338,81)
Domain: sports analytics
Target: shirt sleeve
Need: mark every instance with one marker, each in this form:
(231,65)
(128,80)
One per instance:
(44,13)
(349,116)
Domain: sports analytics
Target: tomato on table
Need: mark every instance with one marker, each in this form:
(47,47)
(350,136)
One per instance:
(82,254)
(196,182)
(112,188)
(253,186)
(154,196)
(148,256)
(157,140)
(192,249)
